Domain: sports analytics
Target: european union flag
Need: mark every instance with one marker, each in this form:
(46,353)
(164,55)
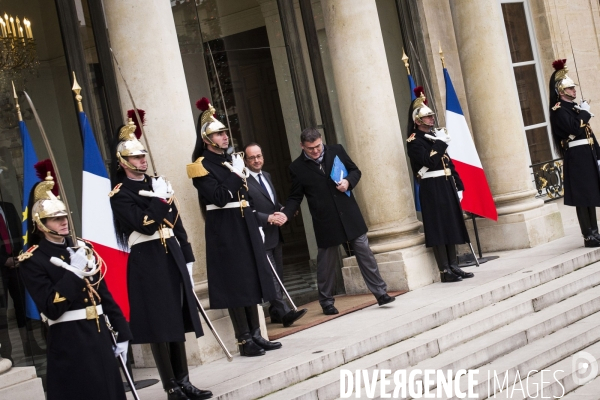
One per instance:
(29,181)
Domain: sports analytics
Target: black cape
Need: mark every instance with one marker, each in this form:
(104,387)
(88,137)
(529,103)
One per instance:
(156,275)
(336,217)
(443,220)
(81,362)
(238,271)
(580,173)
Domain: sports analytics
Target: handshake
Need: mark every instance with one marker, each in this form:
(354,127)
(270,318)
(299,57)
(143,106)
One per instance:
(277,218)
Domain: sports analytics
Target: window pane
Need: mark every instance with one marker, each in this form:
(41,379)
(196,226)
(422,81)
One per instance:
(517,32)
(539,145)
(529,95)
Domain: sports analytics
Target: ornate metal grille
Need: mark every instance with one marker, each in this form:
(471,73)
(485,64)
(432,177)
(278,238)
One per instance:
(548,179)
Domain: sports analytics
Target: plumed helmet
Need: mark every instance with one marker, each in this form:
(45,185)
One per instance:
(208,124)
(419,106)
(559,81)
(46,204)
(129,145)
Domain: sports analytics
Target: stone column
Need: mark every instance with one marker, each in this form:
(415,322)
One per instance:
(19,383)
(374,142)
(499,131)
(144,40)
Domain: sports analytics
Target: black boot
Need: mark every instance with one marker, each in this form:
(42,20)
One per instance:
(162,358)
(441,258)
(180,370)
(254,326)
(242,333)
(587,224)
(456,270)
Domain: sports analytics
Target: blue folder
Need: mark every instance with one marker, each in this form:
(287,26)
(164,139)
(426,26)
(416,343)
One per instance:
(339,172)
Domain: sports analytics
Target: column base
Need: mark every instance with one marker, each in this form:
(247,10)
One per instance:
(205,348)
(19,383)
(519,230)
(403,270)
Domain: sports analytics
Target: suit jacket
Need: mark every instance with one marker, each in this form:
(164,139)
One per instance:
(13,222)
(264,207)
(336,217)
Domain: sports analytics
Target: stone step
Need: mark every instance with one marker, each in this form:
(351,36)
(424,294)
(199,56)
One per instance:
(416,312)
(588,391)
(476,352)
(539,354)
(555,380)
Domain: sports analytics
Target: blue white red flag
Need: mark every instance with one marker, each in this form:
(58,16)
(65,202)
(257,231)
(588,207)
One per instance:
(477,197)
(97,217)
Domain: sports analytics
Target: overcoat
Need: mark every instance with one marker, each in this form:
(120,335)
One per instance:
(81,362)
(156,273)
(443,220)
(580,172)
(336,217)
(238,271)
(264,206)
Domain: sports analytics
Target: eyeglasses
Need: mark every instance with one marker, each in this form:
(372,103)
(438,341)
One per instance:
(255,158)
(314,148)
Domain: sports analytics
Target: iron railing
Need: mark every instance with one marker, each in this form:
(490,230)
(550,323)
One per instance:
(548,179)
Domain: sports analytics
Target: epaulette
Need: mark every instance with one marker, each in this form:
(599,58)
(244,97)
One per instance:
(196,169)
(411,138)
(27,254)
(115,190)
(556,106)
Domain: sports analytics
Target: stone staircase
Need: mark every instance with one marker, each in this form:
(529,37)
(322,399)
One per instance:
(529,310)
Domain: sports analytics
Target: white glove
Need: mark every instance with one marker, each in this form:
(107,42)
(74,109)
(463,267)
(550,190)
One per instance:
(79,263)
(242,173)
(162,188)
(443,138)
(121,348)
(190,267)
(585,106)
(78,258)
(237,162)
(460,195)
(262,233)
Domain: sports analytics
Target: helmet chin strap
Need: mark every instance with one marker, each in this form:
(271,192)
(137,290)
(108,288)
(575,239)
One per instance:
(40,225)
(130,165)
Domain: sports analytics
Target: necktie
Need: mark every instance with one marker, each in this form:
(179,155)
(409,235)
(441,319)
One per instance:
(263,185)
(5,235)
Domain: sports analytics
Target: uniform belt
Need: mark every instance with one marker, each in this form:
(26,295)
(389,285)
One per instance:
(137,238)
(579,142)
(75,315)
(433,174)
(234,204)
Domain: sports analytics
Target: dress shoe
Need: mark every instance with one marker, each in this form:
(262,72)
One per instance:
(248,348)
(262,342)
(175,392)
(293,316)
(385,299)
(591,241)
(330,310)
(192,392)
(448,276)
(458,271)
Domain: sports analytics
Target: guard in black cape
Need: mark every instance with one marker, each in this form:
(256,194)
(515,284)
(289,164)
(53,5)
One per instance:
(579,148)
(159,268)
(239,276)
(66,285)
(440,188)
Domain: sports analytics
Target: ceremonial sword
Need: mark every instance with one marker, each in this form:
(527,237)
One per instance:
(198,304)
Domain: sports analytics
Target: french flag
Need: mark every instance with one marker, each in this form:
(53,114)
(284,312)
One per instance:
(477,197)
(97,217)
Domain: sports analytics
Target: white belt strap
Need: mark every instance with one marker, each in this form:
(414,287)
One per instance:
(74,315)
(137,238)
(234,204)
(433,174)
(579,142)
(422,171)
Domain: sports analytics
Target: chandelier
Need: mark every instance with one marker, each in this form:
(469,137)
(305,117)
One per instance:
(17,47)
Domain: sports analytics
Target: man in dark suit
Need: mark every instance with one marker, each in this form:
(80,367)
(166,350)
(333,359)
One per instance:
(267,206)
(336,216)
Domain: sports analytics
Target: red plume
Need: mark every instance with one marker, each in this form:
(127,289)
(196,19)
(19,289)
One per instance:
(138,129)
(202,105)
(559,64)
(41,170)
(418,91)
